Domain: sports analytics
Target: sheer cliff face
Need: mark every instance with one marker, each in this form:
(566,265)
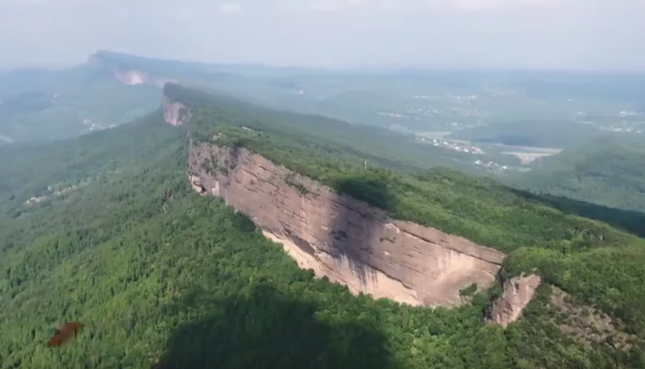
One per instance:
(174,112)
(344,239)
(518,292)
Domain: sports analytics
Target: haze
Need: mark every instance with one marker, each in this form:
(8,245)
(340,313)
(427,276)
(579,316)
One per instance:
(563,34)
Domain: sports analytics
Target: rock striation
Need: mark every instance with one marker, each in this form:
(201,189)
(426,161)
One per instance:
(344,239)
(518,292)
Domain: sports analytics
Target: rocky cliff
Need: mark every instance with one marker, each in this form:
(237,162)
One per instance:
(175,112)
(518,292)
(347,240)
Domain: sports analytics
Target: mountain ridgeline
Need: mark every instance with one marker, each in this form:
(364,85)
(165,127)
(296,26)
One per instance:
(110,230)
(395,241)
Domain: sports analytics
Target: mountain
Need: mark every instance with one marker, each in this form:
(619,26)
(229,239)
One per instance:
(537,108)
(108,90)
(112,88)
(421,101)
(606,172)
(177,68)
(121,230)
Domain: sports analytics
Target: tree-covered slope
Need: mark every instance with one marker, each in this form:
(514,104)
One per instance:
(607,172)
(164,278)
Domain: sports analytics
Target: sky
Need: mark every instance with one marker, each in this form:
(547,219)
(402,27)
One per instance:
(550,34)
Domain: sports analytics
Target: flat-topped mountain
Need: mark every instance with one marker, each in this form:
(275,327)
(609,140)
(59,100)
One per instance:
(382,232)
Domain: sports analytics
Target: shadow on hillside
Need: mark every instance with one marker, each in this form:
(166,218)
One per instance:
(264,327)
(354,226)
(630,221)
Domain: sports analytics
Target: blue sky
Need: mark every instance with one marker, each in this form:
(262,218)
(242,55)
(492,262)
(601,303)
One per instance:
(571,34)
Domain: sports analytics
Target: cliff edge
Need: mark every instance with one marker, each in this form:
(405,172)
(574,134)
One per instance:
(339,237)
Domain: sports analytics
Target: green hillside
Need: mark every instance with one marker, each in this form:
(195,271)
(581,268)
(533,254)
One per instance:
(164,278)
(313,135)
(607,172)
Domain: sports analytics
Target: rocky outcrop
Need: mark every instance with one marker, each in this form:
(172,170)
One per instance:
(175,112)
(518,292)
(589,325)
(339,237)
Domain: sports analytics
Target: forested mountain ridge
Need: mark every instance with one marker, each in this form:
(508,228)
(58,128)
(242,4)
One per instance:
(333,151)
(376,146)
(164,278)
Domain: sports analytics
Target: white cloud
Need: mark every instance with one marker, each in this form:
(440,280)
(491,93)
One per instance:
(230,8)
(494,4)
(335,5)
(423,5)
(327,5)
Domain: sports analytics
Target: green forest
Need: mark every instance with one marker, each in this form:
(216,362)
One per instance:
(164,278)
(606,171)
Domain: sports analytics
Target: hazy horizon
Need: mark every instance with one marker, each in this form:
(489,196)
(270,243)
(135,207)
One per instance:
(35,66)
(601,35)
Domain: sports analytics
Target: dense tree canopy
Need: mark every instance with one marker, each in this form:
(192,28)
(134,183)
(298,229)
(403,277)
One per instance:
(607,172)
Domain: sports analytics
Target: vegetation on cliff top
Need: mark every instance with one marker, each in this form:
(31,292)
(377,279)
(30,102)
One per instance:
(164,278)
(340,140)
(562,246)
(360,163)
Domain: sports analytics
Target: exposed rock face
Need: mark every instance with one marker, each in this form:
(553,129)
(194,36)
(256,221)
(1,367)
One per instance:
(589,325)
(174,112)
(518,292)
(344,239)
